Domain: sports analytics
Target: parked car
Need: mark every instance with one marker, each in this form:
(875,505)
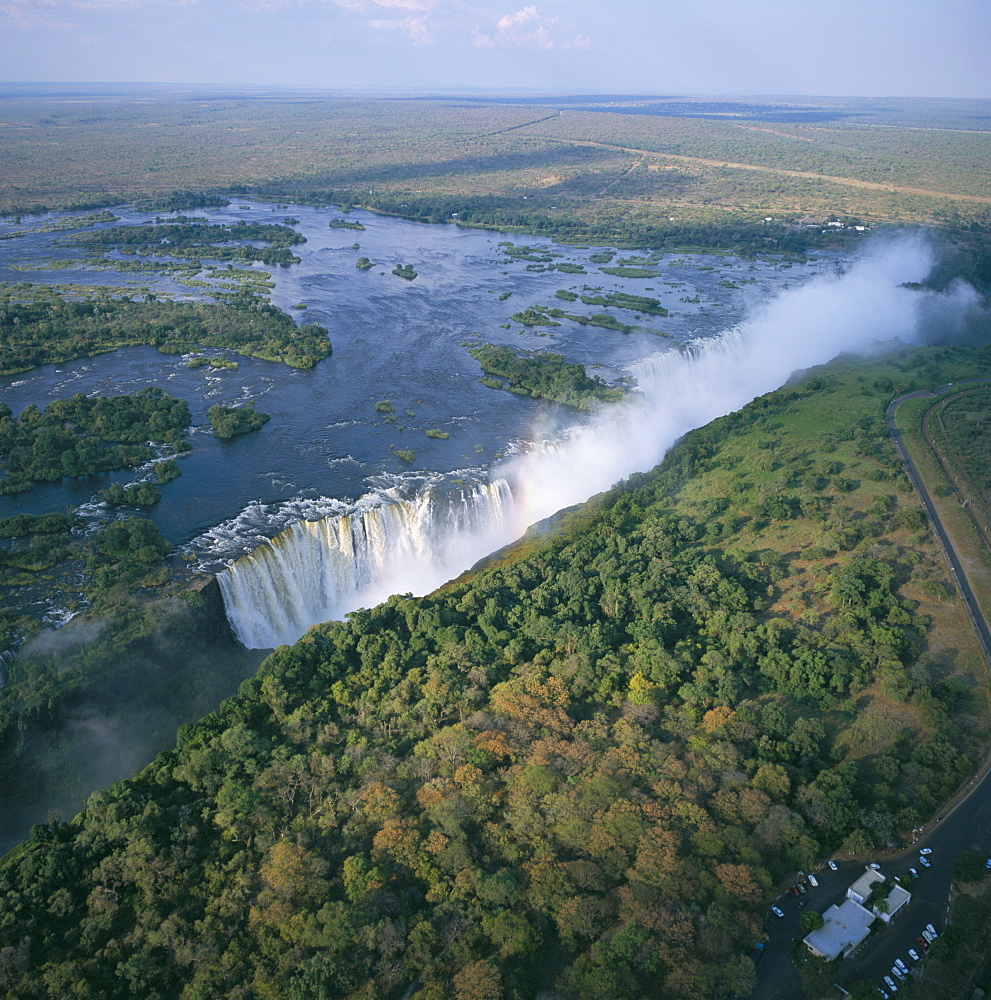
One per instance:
(884,996)
(835,867)
(987,864)
(901,965)
(929,937)
(802,904)
(801,888)
(932,930)
(777,912)
(890,983)
(794,890)
(922,941)
(897,973)
(875,866)
(913,954)
(925,862)
(813,881)
(925,850)
(757,952)
(913,873)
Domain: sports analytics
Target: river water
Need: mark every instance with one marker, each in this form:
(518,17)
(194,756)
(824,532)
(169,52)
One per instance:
(327,451)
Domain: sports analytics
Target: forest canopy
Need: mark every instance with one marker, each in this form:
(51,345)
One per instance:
(82,435)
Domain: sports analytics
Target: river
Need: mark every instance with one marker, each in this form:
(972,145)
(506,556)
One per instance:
(327,451)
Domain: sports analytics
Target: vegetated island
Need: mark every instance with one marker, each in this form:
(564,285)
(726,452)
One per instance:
(233,421)
(82,435)
(586,764)
(345,224)
(404,271)
(544,374)
(191,238)
(51,328)
(145,493)
(180,201)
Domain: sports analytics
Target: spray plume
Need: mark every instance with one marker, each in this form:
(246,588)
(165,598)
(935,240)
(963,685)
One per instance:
(313,573)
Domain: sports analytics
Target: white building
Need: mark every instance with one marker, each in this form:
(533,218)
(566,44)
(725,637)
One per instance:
(846,927)
(860,891)
(844,930)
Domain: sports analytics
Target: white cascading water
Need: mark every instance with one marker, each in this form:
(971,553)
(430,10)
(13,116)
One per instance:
(319,570)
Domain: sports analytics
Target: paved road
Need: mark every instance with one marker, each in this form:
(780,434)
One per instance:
(965,826)
(956,568)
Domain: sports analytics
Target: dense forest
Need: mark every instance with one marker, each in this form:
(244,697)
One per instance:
(232,421)
(52,328)
(578,770)
(81,435)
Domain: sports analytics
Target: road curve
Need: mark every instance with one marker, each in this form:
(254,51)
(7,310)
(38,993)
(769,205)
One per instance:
(949,552)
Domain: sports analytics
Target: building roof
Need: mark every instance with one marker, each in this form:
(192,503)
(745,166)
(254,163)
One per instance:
(845,927)
(861,889)
(896,899)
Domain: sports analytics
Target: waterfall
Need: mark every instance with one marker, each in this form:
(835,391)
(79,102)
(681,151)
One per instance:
(315,570)
(5,659)
(389,543)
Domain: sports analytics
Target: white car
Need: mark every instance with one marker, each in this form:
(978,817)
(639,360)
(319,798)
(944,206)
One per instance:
(890,983)
(875,866)
(813,881)
(777,912)
(925,850)
(913,954)
(928,936)
(932,930)
(833,865)
(897,973)
(925,862)
(901,965)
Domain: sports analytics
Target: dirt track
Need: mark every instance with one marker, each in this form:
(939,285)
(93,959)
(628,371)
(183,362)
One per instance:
(848,181)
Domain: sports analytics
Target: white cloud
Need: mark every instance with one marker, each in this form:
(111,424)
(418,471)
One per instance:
(415,28)
(354,6)
(527,28)
(580,42)
(35,13)
(368,6)
(524,16)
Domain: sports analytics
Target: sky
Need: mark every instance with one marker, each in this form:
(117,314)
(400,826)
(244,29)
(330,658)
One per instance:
(923,48)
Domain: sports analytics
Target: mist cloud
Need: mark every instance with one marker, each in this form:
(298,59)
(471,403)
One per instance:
(858,311)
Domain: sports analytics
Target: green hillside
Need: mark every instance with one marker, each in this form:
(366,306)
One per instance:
(582,768)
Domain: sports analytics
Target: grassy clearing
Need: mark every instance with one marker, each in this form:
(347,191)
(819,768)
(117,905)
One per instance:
(814,483)
(972,548)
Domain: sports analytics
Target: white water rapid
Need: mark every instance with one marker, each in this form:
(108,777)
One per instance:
(317,570)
